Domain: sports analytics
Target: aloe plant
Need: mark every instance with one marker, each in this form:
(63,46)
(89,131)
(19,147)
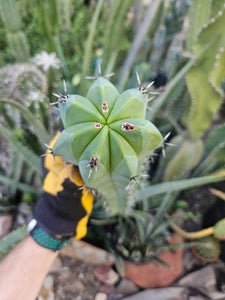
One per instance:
(107,136)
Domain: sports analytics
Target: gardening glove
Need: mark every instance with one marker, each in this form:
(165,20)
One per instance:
(62,211)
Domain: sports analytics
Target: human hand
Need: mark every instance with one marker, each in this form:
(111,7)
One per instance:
(62,211)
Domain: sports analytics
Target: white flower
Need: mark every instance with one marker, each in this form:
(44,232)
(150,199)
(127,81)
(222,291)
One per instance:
(46,60)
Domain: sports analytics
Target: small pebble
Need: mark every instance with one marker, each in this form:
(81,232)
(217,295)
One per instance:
(101,296)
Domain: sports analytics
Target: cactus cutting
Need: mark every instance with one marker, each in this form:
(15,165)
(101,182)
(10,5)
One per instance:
(107,136)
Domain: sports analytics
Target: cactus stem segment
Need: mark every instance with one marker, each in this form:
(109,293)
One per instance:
(105,107)
(128,127)
(93,163)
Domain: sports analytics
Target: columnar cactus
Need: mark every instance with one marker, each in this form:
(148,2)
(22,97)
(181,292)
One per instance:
(107,136)
(16,38)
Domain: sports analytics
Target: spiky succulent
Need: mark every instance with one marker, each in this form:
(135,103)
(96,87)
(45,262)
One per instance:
(107,136)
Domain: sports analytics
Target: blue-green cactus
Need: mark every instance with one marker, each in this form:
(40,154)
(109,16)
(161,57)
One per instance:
(107,136)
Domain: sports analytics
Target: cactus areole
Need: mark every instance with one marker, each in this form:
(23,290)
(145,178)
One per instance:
(107,136)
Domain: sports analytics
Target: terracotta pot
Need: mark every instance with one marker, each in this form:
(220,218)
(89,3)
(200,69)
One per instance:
(149,275)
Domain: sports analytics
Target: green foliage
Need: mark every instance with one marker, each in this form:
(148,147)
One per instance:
(6,208)
(126,38)
(178,185)
(198,16)
(213,156)
(204,87)
(16,38)
(192,154)
(32,159)
(114,33)
(133,236)
(172,23)
(48,20)
(11,240)
(187,151)
(23,130)
(89,44)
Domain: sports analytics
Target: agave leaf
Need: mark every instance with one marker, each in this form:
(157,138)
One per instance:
(214,156)
(179,160)
(33,160)
(16,168)
(15,184)
(119,265)
(165,205)
(103,222)
(175,246)
(157,259)
(184,160)
(212,162)
(175,186)
(142,220)
(11,240)
(162,227)
(37,126)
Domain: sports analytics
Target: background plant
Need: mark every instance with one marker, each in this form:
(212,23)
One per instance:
(187,107)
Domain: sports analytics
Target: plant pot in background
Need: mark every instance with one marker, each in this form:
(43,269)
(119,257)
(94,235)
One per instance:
(149,275)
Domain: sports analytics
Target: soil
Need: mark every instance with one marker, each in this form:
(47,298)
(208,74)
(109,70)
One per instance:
(75,280)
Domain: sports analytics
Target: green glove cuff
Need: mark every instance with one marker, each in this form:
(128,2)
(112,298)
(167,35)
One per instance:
(45,239)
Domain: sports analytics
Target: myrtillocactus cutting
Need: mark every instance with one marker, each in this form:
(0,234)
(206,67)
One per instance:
(107,136)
